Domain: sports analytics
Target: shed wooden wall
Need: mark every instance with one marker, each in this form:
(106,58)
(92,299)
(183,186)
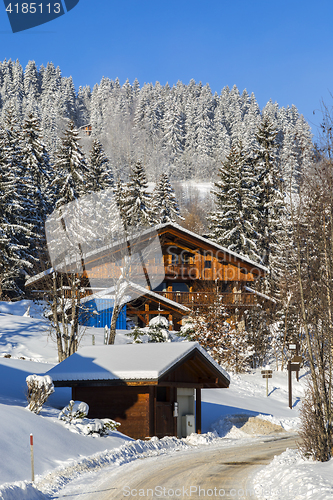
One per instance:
(128,405)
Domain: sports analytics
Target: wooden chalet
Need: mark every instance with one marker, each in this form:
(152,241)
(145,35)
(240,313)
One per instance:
(151,389)
(195,270)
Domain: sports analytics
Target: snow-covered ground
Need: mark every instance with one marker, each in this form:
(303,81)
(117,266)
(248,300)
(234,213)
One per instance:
(62,456)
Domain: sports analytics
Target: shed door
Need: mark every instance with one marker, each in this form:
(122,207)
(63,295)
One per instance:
(164,419)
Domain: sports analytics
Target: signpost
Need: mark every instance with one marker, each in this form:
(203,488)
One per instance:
(292,367)
(266,374)
(294,348)
(32,458)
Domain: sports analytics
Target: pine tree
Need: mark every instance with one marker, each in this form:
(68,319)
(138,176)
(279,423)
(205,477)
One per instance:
(15,226)
(99,173)
(31,88)
(233,223)
(164,204)
(138,201)
(36,166)
(82,106)
(271,203)
(70,168)
(120,194)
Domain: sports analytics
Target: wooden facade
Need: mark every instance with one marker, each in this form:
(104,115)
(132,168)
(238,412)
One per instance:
(195,269)
(144,407)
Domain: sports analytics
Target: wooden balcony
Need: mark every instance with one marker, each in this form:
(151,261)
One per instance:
(205,298)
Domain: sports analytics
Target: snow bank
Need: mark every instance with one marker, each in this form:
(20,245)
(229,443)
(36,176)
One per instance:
(51,483)
(288,424)
(54,481)
(21,491)
(290,477)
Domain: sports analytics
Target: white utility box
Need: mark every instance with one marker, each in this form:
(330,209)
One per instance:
(188,425)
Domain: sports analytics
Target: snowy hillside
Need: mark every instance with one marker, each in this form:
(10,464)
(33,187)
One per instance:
(61,455)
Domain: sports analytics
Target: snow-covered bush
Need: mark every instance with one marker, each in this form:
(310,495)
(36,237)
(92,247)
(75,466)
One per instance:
(101,426)
(74,410)
(39,389)
(75,413)
(157,331)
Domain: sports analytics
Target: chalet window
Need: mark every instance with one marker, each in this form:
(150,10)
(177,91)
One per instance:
(174,259)
(186,258)
(208,264)
(160,288)
(179,287)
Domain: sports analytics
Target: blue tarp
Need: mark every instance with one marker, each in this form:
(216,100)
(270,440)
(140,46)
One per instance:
(98,313)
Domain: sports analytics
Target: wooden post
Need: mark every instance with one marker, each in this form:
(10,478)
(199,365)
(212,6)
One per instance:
(170,322)
(290,386)
(151,410)
(147,314)
(32,458)
(198,410)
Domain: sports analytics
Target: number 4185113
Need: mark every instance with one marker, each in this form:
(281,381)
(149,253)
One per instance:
(33,8)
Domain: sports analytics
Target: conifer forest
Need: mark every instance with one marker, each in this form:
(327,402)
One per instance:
(58,143)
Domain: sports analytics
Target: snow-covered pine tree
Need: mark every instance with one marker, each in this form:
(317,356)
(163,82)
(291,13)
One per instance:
(15,227)
(271,203)
(233,223)
(120,194)
(99,174)
(164,204)
(138,201)
(51,108)
(68,97)
(37,173)
(70,169)
(82,106)
(31,88)
(173,128)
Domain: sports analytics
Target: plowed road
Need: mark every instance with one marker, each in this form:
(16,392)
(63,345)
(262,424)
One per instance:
(213,472)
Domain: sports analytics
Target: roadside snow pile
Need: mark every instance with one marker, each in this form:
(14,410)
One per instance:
(288,424)
(201,439)
(52,482)
(243,425)
(290,477)
(21,491)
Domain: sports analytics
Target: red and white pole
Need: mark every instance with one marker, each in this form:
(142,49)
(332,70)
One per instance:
(32,458)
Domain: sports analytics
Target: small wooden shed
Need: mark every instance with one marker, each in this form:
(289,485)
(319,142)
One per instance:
(151,389)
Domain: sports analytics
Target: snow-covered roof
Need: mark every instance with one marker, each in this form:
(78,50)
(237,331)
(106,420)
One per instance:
(263,295)
(126,362)
(159,298)
(37,277)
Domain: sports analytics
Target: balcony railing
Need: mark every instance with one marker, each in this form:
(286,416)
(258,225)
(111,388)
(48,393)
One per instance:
(206,298)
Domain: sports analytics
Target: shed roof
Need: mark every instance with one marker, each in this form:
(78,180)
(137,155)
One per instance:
(129,362)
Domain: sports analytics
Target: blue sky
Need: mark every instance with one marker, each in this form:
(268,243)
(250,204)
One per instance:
(281,50)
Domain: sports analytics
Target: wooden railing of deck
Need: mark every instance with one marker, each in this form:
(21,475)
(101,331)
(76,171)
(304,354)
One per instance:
(203,298)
